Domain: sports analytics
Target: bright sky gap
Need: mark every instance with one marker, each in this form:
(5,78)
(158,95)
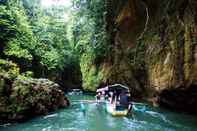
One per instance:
(48,3)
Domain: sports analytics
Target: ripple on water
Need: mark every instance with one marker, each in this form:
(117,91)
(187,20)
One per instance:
(95,118)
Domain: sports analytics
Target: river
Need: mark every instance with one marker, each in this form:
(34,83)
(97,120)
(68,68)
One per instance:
(95,118)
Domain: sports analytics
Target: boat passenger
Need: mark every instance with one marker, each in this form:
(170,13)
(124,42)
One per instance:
(107,95)
(98,96)
(114,96)
(110,99)
(102,96)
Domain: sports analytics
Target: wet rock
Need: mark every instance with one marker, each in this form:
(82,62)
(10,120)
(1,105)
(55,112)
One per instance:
(179,99)
(24,98)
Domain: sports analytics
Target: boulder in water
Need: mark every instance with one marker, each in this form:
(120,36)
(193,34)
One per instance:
(23,98)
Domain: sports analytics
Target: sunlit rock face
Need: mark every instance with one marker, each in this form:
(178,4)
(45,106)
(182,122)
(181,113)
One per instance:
(171,48)
(171,53)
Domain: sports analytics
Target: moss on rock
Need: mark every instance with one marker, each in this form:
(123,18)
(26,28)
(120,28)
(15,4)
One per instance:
(24,97)
(91,74)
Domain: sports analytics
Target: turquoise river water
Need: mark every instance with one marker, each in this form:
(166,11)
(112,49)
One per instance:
(95,118)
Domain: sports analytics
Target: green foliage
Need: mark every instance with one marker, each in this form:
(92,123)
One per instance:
(52,60)
(7,26)
(88,37)
(13,49)
(88,28)
(28,74)
(9,67)
(16,35)
(33,34)
(49,27)
(30,32)
(91,78)
(35,39)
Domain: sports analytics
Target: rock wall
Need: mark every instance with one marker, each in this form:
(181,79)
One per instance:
(126,20)
(166,32)
(171,53)
(154,51)
(170,43)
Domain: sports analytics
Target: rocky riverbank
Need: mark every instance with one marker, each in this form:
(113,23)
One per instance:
(23,97)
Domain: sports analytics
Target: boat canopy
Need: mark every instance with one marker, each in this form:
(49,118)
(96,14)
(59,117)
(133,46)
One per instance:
(115,87)
(102,89)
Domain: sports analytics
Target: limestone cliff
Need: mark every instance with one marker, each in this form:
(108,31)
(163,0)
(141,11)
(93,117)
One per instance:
(171,53)
(154,50)
(125,22)
(129,21)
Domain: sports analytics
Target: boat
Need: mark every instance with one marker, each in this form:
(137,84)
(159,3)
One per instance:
(75,92)
(112,103)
